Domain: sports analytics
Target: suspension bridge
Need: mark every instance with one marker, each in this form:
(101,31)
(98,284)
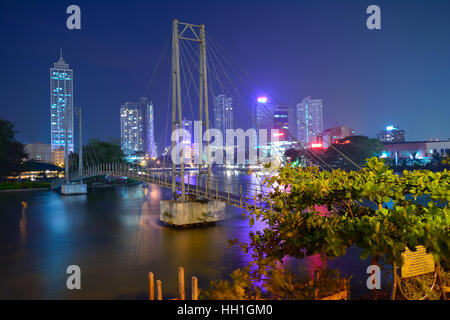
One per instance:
(216,72)
(196,185)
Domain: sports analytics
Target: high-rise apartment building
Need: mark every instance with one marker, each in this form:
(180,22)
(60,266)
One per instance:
(223,113)
(263,114)
(272,116)
(131,128)
(61,105)
(38,151)
(309,118)
(281,121)
(137,128)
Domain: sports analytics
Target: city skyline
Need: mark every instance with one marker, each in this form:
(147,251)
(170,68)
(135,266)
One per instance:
(357,92)
(303,153)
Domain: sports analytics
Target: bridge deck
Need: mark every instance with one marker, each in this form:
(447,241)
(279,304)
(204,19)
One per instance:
(213,188)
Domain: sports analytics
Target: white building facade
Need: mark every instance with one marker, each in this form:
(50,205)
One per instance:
(137,133)
(223,113)
(309,118)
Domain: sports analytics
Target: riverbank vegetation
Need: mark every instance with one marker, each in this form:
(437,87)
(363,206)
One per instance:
(7,185)
(11,151)
(312,212)
(98,151)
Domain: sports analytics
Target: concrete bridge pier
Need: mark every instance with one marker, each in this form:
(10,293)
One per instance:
(70,189)
(191,212)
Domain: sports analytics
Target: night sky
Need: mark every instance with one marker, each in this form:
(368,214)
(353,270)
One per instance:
(367,78)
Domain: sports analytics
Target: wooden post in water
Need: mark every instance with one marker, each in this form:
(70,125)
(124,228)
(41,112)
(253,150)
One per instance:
(159,289)
(181,292)
(151,286)
(316,278)
(194,288)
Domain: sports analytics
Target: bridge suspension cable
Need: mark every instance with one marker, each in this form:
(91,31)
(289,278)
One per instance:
(230,59)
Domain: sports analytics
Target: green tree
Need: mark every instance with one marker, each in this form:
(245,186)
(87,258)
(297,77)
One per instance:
(296,224)
(97,151)
(11,151)
(357,148)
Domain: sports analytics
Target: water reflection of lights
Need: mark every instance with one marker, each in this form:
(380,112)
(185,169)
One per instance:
(132,193)
(23,224)
(155,193)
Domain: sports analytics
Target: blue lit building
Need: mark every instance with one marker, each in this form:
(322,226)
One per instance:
(61,98)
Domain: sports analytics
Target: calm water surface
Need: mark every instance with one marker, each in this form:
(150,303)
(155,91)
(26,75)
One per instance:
(115,236)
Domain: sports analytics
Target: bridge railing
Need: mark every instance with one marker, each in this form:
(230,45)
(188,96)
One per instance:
(212,187)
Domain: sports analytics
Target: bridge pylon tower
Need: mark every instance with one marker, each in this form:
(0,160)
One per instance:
(196,33)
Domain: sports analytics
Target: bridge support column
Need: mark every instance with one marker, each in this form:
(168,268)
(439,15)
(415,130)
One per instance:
(69,189)
(189,213)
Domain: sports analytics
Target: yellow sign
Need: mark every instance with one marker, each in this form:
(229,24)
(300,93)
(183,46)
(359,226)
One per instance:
(417,263)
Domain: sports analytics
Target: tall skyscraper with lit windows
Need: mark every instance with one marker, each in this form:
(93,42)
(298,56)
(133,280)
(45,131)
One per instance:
(223,113)
(263,115)
(131,128)
(149,130)
(137,128)
(270,116)
(309,117)
(61,103)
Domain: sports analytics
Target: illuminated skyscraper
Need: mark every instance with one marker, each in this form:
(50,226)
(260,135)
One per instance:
(309,117)
(281,121)
(61,97)
(223,113)
(263,114)
(137,128)
(188,138)
(131,128)
(272,116)
(186,125)
(149,139)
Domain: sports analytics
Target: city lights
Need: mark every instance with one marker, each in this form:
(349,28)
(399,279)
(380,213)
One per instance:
(262,99)
(390,128)
(218,165)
